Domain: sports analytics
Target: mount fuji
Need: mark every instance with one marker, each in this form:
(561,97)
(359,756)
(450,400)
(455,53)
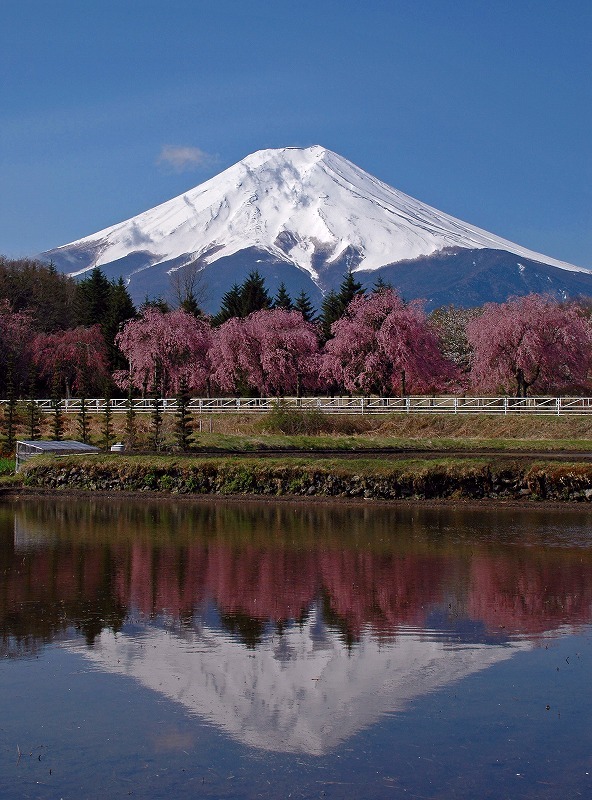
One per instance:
(304,216)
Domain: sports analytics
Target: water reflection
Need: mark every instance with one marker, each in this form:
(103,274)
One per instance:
(290,627)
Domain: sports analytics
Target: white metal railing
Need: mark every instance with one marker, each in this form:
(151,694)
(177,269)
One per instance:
(557,406)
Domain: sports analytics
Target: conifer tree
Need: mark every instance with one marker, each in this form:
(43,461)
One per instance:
(83,421)
(191,306)
(130,422)
(183,427)
(380,285)
(231,305)
(10,407)
(58,421)
(349,289)
(306,308)
(107,428)
(159,303)
(331,310)
(93,296)
(254,295)
(121,309)
(156,415)
(282,298)
(33,412)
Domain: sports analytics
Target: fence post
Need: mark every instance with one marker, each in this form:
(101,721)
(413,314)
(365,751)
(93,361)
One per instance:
(456,405)
(505,405)
(558,405)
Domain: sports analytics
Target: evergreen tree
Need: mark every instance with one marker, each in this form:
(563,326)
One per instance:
(190,305)
(130,422)
(10,407)
(120,310)
(159,303)
(93,298)
(306,308)
(156,415)
(254,295)
(349,289)
(282,298)
(107,427)
(156,422)
(83,421)
(58,421)
(33,412)
(380,285)
(183,426)
(231,305)
(331,310)
(335,303)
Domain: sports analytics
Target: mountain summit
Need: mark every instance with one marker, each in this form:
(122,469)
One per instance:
(304,216)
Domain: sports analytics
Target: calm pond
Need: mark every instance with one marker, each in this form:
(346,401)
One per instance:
(226,650)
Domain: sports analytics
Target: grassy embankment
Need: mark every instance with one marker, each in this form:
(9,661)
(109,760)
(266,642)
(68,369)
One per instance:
(506,471)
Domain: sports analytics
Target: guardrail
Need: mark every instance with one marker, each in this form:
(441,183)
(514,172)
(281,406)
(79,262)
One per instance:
(557,406)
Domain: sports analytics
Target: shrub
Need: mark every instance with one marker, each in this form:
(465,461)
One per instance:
(291,421)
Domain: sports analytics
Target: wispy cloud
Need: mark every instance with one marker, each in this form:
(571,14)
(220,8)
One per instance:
(184,159)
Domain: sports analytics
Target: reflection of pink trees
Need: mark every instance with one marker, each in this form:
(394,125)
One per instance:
(383,346)
(272,352)
(530,342)
(379,592)
(365,590)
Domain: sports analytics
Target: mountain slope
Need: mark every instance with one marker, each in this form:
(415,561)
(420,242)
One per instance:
(303,216)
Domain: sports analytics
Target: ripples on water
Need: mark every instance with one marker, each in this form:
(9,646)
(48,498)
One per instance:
(246,650)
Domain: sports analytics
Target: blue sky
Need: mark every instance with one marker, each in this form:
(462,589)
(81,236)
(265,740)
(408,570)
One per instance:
(481,108)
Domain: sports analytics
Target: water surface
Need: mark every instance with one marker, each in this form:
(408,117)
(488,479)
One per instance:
(161,649)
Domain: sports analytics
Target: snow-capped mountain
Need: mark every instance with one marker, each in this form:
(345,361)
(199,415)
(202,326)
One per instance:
(304,216)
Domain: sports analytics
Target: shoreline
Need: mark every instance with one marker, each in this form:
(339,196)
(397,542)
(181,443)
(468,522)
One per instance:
(12,494)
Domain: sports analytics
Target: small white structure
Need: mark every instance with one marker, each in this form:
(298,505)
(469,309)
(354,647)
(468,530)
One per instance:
(28,448)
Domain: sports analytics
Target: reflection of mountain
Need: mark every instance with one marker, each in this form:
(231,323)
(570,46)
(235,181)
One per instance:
(289,627)
(301,691)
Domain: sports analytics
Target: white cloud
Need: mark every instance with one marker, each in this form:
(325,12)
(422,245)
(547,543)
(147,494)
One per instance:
(184,159)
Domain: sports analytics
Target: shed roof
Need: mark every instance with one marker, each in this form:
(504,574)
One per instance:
(63,446)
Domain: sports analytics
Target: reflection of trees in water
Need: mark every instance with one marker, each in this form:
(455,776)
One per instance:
(85,565)
(46,592)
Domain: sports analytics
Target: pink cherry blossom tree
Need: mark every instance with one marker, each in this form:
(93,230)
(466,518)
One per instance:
(75,358)
(271,352)
(530,342)
(163,350)
(383,345)
(16,334)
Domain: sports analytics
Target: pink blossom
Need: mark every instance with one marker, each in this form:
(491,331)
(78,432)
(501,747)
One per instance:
(272,352)
(382,345)
(530,341)
(162,348)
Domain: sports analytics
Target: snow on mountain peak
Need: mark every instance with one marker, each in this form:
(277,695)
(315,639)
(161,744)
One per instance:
(306,206)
